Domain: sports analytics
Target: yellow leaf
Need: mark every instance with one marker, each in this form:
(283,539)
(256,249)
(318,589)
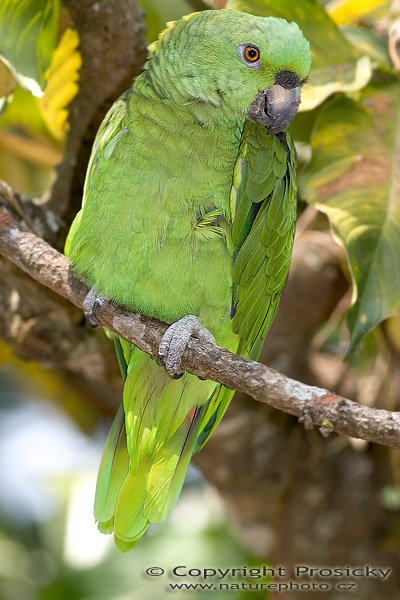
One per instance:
(62,84)
(345,12)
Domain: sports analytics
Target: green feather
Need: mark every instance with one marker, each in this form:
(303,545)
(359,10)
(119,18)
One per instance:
(263,257)
(188,208)
(113,471)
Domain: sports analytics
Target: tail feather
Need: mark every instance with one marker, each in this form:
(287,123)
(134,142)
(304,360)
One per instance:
(174,459)
(112,473)
(143,471)
(216,409)
(130,521)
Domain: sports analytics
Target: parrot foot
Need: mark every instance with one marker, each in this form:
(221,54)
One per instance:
(91,305)
(175,340)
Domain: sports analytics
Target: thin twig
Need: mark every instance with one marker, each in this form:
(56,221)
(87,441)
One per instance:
(12,198)
(313,406)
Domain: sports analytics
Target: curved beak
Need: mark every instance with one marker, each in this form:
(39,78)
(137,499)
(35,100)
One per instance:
(275,107)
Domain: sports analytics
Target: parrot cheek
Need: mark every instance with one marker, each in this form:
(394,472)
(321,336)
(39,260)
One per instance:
(275,107)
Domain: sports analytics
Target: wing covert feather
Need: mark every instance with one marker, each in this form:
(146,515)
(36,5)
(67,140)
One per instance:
(107,136)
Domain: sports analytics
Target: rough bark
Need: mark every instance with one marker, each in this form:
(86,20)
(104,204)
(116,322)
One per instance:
(112,44)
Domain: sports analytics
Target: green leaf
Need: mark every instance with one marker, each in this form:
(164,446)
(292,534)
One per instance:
(23,115)
(158,13)
(325,81)
(354,178)
(336,65)
(28,31)
(368,42)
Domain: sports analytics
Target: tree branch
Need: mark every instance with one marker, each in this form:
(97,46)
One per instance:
(313,406)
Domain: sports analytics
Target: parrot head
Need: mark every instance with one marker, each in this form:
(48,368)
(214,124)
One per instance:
(234,64)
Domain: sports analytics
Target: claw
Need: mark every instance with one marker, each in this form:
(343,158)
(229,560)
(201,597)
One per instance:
(160,360)
(91,305)
(175,340)
(177,375)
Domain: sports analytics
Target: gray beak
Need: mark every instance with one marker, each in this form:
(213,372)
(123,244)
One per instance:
(275,107)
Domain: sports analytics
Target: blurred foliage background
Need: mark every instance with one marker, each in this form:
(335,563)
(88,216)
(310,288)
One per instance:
(53,425)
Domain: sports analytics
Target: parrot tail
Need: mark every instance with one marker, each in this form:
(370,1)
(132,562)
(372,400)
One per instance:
(159,426)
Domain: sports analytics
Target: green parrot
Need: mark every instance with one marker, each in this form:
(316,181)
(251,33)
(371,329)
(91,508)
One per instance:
(188,216)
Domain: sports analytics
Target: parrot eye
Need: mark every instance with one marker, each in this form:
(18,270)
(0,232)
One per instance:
(250,55)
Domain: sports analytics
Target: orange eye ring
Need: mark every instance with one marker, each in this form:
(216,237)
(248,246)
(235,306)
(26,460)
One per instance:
(251,54)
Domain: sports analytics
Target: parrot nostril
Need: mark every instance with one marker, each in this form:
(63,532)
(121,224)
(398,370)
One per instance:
(287,80)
